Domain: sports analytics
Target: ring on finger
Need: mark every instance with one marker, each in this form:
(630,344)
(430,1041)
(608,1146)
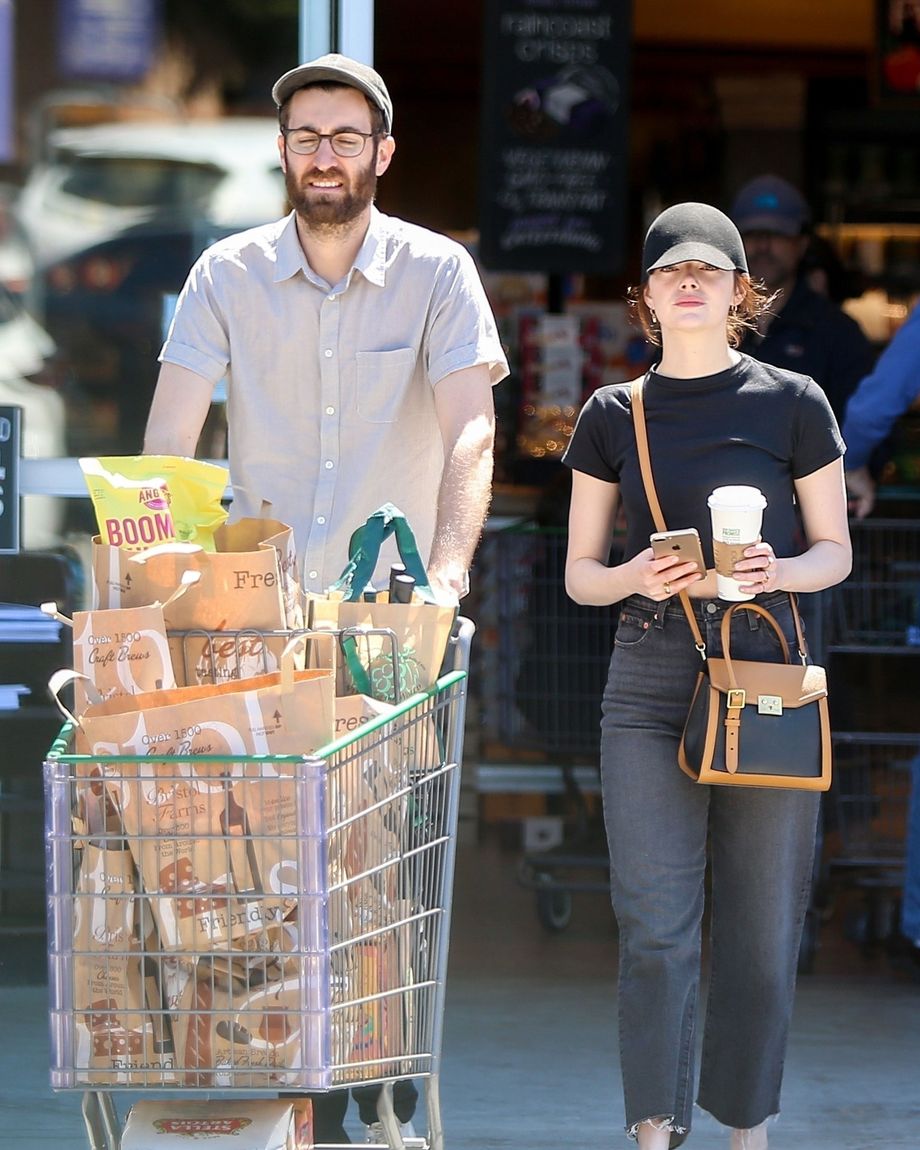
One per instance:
(667,588)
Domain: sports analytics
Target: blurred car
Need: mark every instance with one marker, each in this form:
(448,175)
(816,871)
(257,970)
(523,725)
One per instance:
(97,181)
(17,267)
(116,216)
(26,351)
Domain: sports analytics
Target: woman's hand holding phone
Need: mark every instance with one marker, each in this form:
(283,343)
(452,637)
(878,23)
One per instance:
(674,562)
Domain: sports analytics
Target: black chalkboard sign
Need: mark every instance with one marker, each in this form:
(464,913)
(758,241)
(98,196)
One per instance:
(10,427)
(554,118)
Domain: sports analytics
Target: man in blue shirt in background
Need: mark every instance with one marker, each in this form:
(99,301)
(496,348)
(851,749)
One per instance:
(890,390)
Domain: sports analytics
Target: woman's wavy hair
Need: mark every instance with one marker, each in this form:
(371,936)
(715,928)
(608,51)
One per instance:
(754,302)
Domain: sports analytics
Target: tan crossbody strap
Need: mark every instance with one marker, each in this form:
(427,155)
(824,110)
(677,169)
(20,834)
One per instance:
(648,480)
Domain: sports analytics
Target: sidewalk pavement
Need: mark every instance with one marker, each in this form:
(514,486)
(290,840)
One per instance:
(530,1057)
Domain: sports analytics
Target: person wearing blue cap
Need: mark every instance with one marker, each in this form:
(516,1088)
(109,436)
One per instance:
(713,416)
(803,330)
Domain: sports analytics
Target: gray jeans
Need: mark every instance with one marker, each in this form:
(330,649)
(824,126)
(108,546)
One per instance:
(659,822)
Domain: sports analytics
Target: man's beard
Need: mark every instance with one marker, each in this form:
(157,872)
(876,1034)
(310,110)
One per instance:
(334,211)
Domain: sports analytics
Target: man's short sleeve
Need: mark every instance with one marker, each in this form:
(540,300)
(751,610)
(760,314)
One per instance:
(462,332)
(197,338)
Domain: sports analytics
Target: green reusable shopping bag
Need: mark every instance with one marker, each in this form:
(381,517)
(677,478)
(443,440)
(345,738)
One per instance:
(391,650)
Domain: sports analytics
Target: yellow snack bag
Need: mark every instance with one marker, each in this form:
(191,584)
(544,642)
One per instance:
(145,500)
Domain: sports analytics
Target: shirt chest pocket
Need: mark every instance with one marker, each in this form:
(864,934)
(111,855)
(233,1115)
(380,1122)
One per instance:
(382,379)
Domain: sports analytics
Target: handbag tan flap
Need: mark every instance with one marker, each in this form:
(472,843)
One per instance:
(796,685)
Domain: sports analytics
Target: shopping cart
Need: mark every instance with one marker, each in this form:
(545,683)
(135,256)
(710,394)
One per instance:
(877,609)
(874,616)
(553,667)
(871,797)
(323,969)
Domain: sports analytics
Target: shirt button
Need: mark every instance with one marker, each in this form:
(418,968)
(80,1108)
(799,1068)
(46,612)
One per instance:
(333,297)
(314,574)
(329,465)
(711,608)
(321,519)
(328,353)
(330,411)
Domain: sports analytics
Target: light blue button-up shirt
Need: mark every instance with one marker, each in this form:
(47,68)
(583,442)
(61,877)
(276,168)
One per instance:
(330,387)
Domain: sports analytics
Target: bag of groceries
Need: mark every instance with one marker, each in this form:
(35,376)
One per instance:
(387,667)
(121,650)
(184,815)
(248,584)
(143,500)
(118,1037)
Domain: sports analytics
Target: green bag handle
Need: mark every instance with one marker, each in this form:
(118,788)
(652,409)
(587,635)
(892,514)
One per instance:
(359,676)
(364,551)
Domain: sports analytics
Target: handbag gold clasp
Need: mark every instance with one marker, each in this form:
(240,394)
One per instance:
(736,699)
(769,705)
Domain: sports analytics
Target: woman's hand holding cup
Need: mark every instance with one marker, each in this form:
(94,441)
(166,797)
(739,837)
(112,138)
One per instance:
(757,572)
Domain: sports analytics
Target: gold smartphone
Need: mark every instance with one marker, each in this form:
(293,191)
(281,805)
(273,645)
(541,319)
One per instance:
(684,544)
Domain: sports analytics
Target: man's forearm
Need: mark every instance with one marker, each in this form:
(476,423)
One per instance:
(463,503)
(178,411)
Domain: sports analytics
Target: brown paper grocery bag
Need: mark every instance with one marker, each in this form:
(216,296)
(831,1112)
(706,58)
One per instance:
(181,818)
(117,1039)
(122,651)
(205,657)
(248,582)
(366,1029)
(421,628)
(231,1032)
(286,712)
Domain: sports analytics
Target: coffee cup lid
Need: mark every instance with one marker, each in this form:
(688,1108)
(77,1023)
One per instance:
(737,496)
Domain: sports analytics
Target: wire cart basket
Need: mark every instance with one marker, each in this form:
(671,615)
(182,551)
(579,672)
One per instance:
(553,667)
(297,941)
(874,616)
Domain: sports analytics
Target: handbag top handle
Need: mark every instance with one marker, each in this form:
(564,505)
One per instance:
(725,632)
(648,481)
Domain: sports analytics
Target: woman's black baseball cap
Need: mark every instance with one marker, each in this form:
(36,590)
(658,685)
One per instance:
(693,232)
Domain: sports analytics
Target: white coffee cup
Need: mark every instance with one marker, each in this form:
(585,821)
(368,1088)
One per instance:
(737,515)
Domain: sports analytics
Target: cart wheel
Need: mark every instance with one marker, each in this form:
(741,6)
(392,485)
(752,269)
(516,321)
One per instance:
(554,907)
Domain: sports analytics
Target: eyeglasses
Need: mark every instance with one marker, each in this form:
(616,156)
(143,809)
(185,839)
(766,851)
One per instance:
(305,143)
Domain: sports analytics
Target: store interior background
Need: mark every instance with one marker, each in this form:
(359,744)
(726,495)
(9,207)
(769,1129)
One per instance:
(720,93)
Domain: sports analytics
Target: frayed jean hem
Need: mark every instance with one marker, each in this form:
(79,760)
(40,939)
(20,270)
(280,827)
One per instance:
(661,1122)
(768,1121)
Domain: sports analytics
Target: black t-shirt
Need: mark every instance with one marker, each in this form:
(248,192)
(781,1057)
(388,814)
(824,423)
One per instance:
(753,424)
